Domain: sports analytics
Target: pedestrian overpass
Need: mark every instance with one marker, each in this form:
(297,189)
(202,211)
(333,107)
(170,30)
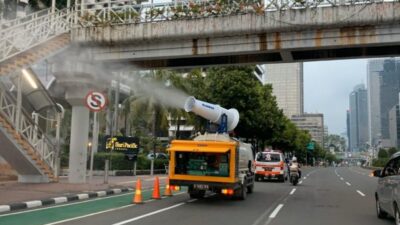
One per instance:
(175,34)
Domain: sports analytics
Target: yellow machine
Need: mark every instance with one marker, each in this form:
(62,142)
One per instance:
(212,162)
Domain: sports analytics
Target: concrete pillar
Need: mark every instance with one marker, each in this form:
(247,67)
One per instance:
(78,145)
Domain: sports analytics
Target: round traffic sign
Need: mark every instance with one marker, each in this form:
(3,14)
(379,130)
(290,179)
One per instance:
(95,101)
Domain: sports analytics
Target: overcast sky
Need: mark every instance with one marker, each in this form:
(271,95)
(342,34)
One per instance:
(327,86)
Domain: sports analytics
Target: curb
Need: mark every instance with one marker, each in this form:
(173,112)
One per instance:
(59,200)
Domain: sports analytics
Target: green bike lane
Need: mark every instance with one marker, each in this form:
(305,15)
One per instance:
(67,211)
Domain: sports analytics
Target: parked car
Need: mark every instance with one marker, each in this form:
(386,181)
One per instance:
(158,156)
(387,194)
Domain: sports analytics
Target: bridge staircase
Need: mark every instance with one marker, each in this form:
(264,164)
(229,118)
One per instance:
(23,43)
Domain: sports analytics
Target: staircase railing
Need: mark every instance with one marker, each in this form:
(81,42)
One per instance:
(27,129)
(33,30)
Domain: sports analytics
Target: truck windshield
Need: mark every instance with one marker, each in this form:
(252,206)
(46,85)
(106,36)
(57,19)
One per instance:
(268,157)
(202,164)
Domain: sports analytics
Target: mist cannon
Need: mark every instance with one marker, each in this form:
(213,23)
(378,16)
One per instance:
(212,112)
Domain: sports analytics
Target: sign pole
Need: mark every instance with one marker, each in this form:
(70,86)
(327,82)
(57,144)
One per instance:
(94,144)
(96,101)
(134,168)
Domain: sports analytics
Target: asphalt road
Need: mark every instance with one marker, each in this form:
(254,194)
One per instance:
(325,196)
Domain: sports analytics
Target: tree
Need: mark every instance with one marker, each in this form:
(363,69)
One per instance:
(382,154)
(336,140)
(261,121)
(391,151)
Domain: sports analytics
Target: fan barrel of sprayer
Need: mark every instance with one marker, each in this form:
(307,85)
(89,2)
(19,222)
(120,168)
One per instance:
(212,112)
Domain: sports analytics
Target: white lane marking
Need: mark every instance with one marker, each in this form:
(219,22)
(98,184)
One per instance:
(32,204)
(108,210)
(292,192)
(191,200)
(348,184)
(305,178)
(92,214)
(150,200)
(149,214)
(276,211)
(359,192)
(341,178)
(60,200)
(5,208)
(300,182)
(336,173)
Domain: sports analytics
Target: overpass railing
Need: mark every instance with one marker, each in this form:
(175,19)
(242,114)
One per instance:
(109,12)
(19,35)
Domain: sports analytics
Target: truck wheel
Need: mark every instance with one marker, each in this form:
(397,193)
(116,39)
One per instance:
(250,188)
(241,193)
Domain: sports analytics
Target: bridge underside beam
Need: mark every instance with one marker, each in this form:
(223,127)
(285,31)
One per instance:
(274,47)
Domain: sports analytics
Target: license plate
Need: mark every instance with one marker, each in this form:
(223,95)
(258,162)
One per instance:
(201,186)
(268,169)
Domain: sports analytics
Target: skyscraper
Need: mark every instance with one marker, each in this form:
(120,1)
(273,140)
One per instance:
(287,84)
(384,86)
(373,81)
(389,90)
(358,118)
(348,129)
(394,126)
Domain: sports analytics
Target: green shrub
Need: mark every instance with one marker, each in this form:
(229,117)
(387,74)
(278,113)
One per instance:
(381,162)
(383,154)
(119,162)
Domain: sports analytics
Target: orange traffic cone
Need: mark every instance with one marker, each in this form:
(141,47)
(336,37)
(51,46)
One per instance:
(156,190)
(137,199)
(167,191)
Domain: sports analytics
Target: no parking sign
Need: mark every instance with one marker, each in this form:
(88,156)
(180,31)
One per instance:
(95,101)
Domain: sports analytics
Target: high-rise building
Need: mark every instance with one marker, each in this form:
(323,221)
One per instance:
(313,123)
(394,126)
(287,84)
(373,81)
(384,86)
(359,136)
(348,130)
(389,90)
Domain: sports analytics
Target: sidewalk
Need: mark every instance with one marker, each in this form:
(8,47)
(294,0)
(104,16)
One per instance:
(14,192)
